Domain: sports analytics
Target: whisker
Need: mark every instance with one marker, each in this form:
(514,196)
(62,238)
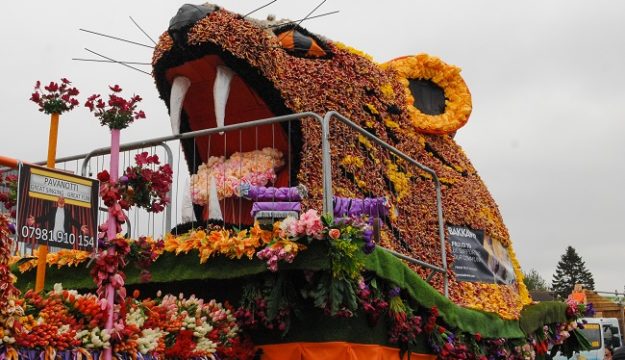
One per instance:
(262,7)
(119,62)
(144,33)
(117,38)
(299,20)
(111,61)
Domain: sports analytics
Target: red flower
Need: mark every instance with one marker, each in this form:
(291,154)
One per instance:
(52,87)
(117,112)
(104,176)
(57,99)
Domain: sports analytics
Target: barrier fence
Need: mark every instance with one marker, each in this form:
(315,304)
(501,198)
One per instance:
(251,140)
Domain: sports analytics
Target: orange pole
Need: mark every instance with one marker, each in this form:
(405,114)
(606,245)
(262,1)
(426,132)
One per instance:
(9,162)
(43,249)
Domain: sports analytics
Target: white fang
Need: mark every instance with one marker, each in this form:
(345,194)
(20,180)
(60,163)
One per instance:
(178,91)
(221,91)
(214,211)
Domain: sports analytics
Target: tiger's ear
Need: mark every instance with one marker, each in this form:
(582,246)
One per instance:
(437,97)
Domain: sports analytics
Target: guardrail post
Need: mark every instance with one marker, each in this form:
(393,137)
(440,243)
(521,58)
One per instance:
(328,205)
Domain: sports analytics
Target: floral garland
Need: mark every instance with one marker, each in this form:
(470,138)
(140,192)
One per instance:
(56,99)
(447,77)
(256,167)
(140,186)
(117,112)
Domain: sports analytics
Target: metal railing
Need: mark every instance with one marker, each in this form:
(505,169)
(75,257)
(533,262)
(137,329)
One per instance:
(439,206)
(326,167)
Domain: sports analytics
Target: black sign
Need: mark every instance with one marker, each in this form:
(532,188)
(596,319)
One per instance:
(56,208)
(479,258)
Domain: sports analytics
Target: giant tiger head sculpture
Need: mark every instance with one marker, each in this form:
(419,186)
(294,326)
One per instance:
(213,67)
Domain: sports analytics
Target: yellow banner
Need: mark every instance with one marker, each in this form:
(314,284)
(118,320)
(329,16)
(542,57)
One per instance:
(55,198)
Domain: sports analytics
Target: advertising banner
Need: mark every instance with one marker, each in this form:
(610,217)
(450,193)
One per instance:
(479,257)
(57,209)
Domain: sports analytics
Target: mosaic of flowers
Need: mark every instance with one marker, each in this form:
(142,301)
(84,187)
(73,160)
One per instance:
(375,97)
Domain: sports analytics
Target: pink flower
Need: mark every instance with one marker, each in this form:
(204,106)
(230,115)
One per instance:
(310,224)
(334,233)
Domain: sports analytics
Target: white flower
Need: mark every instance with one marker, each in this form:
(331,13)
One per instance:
(136,317)
(206,346)
(149,340)
(58,288)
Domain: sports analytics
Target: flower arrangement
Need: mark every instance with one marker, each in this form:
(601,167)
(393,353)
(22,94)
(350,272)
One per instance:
(256,167)
(65,322)
(140,186)
(55,98)
(117,112)
(9,307)
(9,197)
(108,267)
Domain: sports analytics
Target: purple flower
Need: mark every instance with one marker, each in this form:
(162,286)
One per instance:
(394,292)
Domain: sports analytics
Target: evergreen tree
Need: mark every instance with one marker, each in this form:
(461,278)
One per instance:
(571,270)
(533,281)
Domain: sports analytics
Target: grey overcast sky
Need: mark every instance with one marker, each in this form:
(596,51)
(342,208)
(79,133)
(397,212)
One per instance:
(547,79)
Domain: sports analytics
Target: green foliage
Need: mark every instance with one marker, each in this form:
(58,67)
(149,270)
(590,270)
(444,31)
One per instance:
(346,259)
(571,270)
(335,294)
(533,281)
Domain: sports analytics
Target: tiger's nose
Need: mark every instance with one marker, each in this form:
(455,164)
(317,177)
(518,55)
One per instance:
(186,17)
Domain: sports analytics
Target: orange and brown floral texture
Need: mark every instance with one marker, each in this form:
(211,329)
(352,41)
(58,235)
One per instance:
(213,67)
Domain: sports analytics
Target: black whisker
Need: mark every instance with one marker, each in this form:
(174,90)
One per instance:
(144,33)
(301,20)
(117,38)
(119,62)
(111,61)
(295,21)
(255,10)
(311,12)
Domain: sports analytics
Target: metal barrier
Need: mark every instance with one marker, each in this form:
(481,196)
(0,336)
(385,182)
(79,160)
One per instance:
(439,207)
(325,166)
(83,164)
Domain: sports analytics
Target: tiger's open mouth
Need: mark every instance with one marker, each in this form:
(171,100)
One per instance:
(204,92)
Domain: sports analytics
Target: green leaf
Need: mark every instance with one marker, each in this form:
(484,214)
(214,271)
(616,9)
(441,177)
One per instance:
(275,298)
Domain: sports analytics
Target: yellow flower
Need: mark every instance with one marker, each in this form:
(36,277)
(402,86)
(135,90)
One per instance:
(352,50)
(447,77)
(387,91)
(399,179)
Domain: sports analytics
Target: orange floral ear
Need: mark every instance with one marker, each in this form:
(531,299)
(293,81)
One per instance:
(435,78)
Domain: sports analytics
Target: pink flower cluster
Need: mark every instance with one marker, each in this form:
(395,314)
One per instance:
(256,167)
(108,267)
(309,224)
(274,254)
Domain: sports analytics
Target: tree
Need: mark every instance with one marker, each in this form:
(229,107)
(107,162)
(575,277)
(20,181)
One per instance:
(533,281)
(571,270)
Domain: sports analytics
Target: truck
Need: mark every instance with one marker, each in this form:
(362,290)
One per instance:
(601,333)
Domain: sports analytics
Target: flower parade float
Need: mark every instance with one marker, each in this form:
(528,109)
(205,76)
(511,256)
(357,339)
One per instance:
(263,272)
